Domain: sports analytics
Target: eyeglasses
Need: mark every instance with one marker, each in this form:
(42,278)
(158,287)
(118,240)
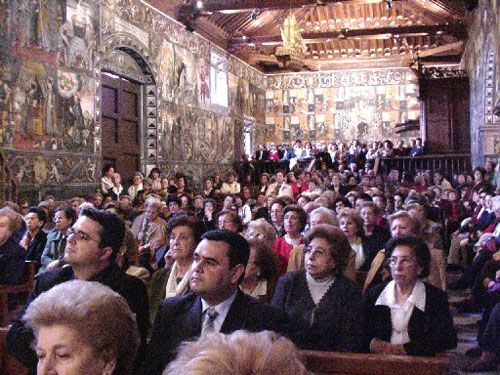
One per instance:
(58,218)
(318,252)
(80,236)
(404,261)
(180,237)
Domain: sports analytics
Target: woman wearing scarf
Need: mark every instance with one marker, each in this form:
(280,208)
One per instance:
(184,235)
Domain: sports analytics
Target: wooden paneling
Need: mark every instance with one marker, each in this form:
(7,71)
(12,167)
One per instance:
(446,115)
(335,31)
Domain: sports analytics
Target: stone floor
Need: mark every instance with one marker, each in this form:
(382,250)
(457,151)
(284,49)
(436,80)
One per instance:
(465,325)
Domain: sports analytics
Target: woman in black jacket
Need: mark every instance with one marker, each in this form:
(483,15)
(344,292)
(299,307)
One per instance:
(406,315)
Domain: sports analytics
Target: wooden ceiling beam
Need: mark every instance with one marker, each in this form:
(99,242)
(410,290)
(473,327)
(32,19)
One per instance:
(458,30)
(238,6)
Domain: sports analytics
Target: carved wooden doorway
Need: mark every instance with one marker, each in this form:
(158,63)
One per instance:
(121,124)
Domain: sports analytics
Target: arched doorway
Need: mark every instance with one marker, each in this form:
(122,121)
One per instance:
(128,107)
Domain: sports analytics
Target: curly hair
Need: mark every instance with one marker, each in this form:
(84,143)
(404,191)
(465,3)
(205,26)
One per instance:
(240,353)
(341,248)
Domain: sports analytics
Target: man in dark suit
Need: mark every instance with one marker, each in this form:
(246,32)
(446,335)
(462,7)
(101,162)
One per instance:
(214,304)
(35,238)
(91,248)
(261,154)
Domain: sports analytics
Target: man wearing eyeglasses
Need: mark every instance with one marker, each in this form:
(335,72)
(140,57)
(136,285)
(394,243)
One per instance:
(92,245)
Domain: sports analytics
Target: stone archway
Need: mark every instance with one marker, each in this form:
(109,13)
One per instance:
(125,55)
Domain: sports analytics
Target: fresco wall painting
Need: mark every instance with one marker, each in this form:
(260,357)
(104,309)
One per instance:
(362,105)
(50,59)
(51,56)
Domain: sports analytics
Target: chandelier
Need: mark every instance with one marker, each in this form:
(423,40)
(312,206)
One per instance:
(291,53)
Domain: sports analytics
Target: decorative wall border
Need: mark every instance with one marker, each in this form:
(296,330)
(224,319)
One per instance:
(341,79)
(489,88)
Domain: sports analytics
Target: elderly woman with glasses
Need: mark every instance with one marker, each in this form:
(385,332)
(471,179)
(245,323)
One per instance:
(325,307)
(407,316)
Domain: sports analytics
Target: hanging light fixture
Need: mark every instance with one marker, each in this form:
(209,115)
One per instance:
(291,53)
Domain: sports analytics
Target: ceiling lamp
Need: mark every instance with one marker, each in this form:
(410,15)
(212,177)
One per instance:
(291,53)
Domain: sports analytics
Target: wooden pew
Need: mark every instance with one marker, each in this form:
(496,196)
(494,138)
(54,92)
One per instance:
(9,365)
(372,364)
(6,290)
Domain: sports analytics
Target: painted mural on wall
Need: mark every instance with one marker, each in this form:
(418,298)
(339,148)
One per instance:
(189,127)
(481,60)
(198,136)
(50,51)
(50,169)
(346,105)
(42,105)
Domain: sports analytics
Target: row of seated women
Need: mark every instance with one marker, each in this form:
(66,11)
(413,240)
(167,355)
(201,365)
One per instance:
(323,301)
(325,308)
(402,329)
(96,334)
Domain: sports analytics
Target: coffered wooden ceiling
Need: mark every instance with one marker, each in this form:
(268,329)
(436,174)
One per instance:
(337,33)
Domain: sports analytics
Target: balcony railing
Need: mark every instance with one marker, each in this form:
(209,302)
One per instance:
(448,164)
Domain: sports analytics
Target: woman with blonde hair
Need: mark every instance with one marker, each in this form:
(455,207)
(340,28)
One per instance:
(261,230)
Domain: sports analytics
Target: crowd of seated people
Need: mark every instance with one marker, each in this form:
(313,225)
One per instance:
(336,152)
(350,259)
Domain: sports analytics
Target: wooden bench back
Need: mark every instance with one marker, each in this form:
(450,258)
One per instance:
(372,364)
(9,365)
(6,290)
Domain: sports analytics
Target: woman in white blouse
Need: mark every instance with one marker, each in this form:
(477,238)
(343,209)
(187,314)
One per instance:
(244,210)
(136,185)
(407,316)
(107,173)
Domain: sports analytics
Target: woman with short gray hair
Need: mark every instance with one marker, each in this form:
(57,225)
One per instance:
(83,327)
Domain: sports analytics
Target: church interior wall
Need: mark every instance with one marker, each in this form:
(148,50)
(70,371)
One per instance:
(482,63)
(50,67)
(361,104)
(51,53)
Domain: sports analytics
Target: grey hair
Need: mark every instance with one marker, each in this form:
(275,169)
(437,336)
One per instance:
(101,318)
(269,232)
(15,220)
(332,218)
(240,353)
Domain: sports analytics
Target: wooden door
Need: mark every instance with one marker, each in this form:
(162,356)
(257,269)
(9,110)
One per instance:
(121,125)
(446,114)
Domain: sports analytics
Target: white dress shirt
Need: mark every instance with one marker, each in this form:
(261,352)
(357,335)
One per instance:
(400,315)
(222,310)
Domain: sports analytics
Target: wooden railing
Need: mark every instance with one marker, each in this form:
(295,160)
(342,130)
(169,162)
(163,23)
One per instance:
(448,163)
(372,364)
